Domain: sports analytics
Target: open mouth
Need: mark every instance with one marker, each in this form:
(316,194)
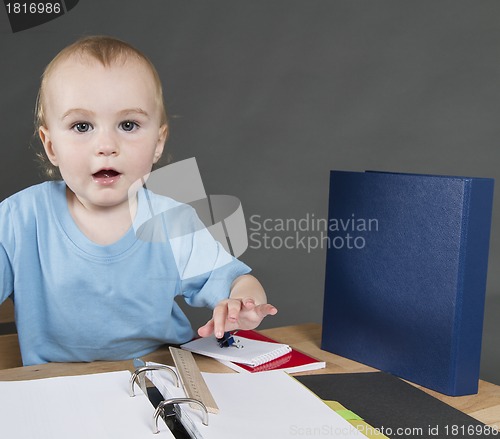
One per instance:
(106,176)
(106,173)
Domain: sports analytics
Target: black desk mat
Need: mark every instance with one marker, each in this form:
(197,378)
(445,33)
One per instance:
(395,407)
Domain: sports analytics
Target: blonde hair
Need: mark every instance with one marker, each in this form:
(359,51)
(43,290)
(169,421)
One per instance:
(107,51)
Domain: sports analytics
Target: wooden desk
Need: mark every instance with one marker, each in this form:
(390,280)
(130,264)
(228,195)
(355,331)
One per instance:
(485,406)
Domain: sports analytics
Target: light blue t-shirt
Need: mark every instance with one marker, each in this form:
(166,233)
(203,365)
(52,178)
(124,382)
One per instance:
(79,301)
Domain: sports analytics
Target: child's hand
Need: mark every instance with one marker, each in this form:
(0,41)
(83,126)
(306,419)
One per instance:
(231,314)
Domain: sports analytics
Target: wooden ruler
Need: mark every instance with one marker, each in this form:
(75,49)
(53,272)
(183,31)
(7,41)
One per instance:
(192,380)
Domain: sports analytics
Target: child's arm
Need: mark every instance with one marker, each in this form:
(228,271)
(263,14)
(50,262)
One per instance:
(244,309)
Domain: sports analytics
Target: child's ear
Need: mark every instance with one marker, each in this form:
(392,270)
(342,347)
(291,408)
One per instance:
(44,134)
(160,144)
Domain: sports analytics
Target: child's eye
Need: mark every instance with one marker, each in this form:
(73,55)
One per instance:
(129,125)
(82,127)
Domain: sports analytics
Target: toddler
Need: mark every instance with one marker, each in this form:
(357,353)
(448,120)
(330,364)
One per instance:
(85,286)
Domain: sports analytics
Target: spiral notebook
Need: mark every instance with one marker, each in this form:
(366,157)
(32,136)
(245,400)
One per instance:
(244,350)
(292,362)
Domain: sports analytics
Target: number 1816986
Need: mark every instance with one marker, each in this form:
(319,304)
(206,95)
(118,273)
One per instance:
(33,8)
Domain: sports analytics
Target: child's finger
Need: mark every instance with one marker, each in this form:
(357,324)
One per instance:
(219,317)
(233,310)
(207,329)
(249,304)
(266,310)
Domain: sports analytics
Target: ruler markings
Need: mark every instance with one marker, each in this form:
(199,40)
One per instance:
(192,380)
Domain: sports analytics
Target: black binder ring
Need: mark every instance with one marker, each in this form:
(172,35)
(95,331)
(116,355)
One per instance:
(144,369)
(170,401)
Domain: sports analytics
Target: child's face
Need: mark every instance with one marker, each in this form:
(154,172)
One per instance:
(102,128)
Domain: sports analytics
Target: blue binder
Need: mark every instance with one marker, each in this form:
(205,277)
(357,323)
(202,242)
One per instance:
(406,275)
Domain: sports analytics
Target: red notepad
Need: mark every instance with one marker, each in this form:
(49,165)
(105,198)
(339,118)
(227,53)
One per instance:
(294,361)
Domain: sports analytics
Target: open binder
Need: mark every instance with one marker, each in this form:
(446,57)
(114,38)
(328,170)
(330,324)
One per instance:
(265,405)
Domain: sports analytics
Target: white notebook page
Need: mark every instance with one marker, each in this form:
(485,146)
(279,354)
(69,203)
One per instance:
(267,405)
(77,407)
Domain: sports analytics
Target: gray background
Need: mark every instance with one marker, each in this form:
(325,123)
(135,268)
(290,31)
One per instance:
(271,95)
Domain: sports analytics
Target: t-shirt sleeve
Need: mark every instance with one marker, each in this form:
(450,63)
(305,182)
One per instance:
(206,269)
(6,247)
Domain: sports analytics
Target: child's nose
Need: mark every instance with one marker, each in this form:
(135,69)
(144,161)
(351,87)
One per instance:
(107,144)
